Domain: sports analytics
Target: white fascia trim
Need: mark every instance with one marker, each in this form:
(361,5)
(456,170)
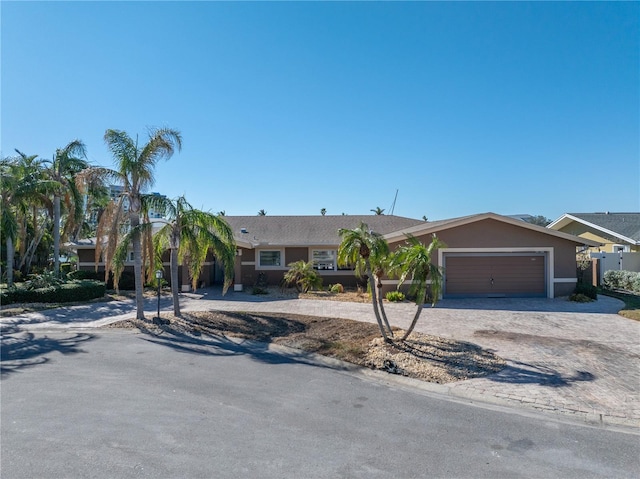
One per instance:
(599,228)
(565,280)
(531,249)
(427,228)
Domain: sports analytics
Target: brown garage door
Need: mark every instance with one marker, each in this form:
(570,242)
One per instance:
(494,276)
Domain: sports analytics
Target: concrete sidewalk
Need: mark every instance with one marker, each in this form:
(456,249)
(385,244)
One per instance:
(579,360)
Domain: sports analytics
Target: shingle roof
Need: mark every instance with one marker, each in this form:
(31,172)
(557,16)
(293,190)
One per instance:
(625,224)
(437,226)
(309,230)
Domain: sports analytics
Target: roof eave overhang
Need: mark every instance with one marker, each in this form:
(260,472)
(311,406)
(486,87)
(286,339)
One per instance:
(565,219)
(431,229)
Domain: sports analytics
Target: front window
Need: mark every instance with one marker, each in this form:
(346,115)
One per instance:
(323,259)
(270,258)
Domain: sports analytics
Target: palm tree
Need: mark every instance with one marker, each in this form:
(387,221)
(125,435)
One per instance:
(378,211)
(67,162)
(32,208)
(262,213)
(24,194)
(323,211)
(359,247)
(9,184)
(189,234)
(413,261)
(134,170)
(303,276)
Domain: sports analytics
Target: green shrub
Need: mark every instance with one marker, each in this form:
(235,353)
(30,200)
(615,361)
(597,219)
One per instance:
(86,274)
(627,280)
(586,289)
(303,276)
(42,280)
(259,290)
(83,290)
(580,298)
(336,288)
(126,283)
(395,296)
(66,268)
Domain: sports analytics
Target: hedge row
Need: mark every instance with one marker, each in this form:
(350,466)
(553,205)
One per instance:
(126,283)
(82,290)
(627,280)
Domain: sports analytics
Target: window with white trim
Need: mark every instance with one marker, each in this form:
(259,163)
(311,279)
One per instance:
(323,259)
(327,260)
(270,258)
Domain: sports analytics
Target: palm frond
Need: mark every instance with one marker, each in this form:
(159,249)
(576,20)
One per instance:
(123,149)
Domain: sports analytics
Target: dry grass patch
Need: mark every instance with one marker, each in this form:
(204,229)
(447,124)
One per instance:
(424,357)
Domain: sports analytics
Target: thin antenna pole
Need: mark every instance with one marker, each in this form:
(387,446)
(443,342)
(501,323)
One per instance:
(393,206)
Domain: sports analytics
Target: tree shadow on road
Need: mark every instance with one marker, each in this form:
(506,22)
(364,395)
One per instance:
(218,345)
(518,372)
(20,349)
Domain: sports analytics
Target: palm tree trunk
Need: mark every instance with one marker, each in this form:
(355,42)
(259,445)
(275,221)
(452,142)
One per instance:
(56,236)
(413,323)
(381,306)
(174,281)
(10,254)
(415,318)
(372,285)
(137,265)
(30,252)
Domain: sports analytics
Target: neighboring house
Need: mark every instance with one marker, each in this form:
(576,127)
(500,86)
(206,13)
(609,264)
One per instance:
(486,255)
(618,235)
(614,232)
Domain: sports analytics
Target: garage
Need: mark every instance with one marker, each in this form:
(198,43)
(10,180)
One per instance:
(494,275)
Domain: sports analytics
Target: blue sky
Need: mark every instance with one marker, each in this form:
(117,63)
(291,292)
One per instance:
(290,107)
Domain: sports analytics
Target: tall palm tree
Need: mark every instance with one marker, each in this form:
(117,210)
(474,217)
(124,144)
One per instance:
(189,234)
(24,194)
(359,247)
(33,206)
(378,211)
(9,183)
(135,171)
(262,213)
(67,163)
(413,261)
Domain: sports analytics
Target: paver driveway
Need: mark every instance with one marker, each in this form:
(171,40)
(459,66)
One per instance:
(581,359)
(571,358)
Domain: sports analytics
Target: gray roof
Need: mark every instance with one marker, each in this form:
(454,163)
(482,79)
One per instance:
(309,230)
(624,224)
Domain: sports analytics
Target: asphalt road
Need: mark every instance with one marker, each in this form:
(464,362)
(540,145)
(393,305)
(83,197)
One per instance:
(111,404)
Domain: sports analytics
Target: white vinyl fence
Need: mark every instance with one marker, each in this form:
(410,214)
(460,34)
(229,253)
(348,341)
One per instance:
(617,261)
